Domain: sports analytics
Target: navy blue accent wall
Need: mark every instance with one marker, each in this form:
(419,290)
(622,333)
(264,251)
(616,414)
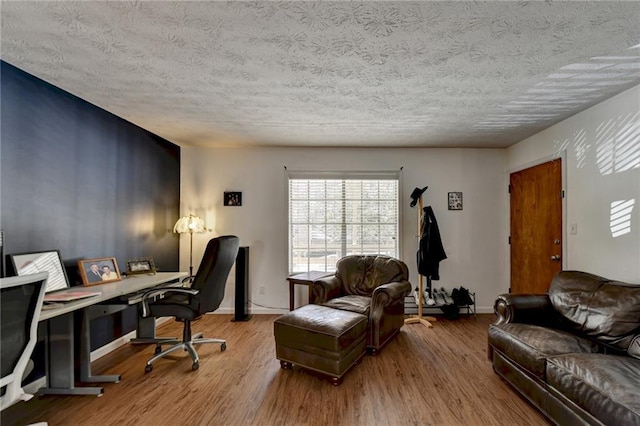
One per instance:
(77,178)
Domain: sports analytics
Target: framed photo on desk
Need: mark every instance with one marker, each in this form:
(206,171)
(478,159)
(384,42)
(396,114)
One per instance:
(40,261)
(99,271)
(141,266)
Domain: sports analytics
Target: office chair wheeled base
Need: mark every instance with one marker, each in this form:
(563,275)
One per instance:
(187,346)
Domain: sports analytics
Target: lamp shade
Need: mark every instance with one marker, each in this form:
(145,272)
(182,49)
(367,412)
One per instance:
(189,224)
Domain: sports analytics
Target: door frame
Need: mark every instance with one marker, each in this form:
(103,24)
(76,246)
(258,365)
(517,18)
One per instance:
(562,155)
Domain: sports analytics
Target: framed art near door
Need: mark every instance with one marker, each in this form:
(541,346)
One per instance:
(455,200)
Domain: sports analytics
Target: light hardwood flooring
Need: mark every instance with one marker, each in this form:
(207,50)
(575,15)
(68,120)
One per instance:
(426,376)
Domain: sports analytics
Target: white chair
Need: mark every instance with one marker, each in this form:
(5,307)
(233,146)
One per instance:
(21,303)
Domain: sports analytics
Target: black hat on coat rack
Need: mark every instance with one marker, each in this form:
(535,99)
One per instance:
(415,195)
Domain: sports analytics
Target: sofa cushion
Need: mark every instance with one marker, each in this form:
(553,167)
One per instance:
(634,347)
(530,345)
(318,329)
(608,311)
(352,303)
(606,386)
(362,274)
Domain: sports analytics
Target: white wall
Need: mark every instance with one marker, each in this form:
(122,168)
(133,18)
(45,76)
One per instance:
(602,147)
(474,238)
(602,165)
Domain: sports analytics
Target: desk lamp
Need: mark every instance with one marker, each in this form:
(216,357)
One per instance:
(190,224)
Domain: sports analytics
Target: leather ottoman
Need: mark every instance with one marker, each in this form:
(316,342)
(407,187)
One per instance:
(321,339)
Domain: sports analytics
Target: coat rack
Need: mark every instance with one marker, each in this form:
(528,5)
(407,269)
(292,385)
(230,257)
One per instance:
(419,319)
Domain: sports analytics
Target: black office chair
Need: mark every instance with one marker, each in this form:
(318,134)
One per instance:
(21,303)
(189,304)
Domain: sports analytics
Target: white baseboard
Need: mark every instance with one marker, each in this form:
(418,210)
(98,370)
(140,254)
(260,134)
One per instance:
(121,341)
(112,346)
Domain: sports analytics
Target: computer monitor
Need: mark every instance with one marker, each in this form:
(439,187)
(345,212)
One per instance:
(34,262)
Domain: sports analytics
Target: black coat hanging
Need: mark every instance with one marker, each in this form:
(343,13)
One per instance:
(430,250)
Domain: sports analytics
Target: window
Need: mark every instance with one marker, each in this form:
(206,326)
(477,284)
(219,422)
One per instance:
(331,216)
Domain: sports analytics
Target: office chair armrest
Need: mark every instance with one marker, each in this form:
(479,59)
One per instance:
(153,293)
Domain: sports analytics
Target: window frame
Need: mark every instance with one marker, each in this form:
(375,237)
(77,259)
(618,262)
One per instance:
(394,175)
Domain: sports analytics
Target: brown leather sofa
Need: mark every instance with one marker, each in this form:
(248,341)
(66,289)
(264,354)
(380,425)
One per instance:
(374,286)
(574,353)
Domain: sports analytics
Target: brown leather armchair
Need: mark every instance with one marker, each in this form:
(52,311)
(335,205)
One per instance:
(374,286)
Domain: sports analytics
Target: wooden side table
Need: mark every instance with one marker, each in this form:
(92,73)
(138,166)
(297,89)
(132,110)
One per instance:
(304,278)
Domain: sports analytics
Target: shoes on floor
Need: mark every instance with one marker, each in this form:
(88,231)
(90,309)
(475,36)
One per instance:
(461,297)
(415,297)
(449,303)
(455,295)
(429,299)
(447,297)
(446,304)
(465,296)
(438,297)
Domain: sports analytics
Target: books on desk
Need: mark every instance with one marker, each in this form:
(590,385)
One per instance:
(69,296)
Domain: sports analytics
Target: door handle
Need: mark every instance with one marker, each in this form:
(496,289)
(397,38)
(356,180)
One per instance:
(555,258)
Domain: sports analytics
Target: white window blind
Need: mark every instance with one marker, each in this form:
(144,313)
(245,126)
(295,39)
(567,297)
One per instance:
(334,216)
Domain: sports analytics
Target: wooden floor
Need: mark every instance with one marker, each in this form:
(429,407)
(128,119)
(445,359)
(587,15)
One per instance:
(436,376)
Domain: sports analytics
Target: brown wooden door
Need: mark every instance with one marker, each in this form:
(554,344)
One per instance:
(536,227)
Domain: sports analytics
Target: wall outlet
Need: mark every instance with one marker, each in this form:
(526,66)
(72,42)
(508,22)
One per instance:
(261,289)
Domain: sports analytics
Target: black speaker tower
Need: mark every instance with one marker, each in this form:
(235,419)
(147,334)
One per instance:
(1,254)
(242,286)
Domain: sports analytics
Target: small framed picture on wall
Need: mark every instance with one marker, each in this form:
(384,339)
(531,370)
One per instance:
(232,199)
(455,201)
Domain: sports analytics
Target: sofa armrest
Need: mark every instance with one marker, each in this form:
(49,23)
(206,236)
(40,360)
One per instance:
(390,293)
(326,288)
(523,308)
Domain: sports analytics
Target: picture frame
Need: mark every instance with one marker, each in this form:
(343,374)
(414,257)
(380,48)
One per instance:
(143,265)
(455,200)
(232,199)
(93,271)
(40,261)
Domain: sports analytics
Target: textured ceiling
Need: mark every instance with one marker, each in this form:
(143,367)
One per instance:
(390,74)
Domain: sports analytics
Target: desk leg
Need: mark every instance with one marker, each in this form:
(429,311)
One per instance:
(85,355)
(146,333)
(59,357)
(146,328)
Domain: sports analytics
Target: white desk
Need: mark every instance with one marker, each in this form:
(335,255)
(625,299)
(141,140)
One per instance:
(60,331)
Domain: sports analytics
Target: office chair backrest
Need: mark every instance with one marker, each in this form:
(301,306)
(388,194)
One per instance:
(211,278)
(21,303)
